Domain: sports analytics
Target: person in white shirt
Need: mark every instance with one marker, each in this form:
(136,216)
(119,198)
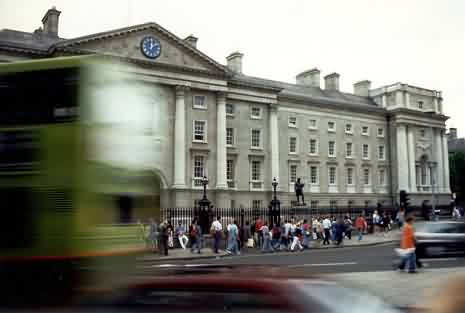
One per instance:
(287,230)
(326,227)
(216,229)
(233,231)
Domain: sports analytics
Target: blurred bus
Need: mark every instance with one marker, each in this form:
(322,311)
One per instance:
(72,130)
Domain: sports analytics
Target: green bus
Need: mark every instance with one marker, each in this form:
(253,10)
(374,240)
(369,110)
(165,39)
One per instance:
(71,129)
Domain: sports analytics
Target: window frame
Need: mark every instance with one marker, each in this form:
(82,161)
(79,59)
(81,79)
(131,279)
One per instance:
(367,133)
(310,124)
(351,156)
(259,180)
(334,149)
(198,107)
(196,178)
(292,180)
(382,133)
(296,146)
(351,131)
(205,131)
(310,147)
(335,176)
(352,170)
(289,124)
(260,146)
(382,183)
(383,158)
(364,176)
(332,130)
(363,151)
(317,180)
(232,137)
(256,117)
(230,105)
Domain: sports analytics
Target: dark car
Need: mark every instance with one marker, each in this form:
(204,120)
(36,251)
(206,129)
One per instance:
(440,238)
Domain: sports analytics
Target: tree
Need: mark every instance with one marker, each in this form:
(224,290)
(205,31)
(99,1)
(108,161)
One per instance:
(457,174)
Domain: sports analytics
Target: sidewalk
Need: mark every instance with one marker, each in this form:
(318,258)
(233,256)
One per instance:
(402,289)
(207,253)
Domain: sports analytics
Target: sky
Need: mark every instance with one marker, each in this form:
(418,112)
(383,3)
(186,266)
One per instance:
(418,42)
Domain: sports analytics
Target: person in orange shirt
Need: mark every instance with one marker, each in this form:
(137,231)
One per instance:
(360,224)
(407,245)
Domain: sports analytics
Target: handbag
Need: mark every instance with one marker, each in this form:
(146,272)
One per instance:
(250,243)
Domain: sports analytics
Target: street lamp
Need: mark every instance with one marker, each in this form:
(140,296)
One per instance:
(204,204)
(204,184)
(274,184)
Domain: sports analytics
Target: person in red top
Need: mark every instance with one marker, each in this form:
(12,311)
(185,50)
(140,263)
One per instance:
(407,245)
(360,225)
(258,226)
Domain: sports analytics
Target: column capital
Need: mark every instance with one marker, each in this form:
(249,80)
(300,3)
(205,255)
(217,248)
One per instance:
(274,107)
(181,90)
(220,96)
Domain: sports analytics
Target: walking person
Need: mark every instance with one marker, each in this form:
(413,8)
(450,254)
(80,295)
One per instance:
(216,229)
(153,235)
(258,226)
(333,228)
(407,246)
(193,236)
(246,235)
(340,229)
(239,236)
(232,238)
(181,234)
(326,224)
(287,234)
(348,227)
(386,222)
(296,238)
(360,225)
(306,233)
(164,238)
(401,217)
(266,247)
(170,230)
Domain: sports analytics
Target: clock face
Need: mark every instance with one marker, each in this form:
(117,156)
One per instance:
(150,47)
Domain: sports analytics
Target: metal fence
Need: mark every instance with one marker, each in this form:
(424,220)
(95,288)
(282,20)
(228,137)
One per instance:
(243,215)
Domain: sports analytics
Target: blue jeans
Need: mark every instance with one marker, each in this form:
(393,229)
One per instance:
(410,260)
(360,234)
(232,245)
(266,244)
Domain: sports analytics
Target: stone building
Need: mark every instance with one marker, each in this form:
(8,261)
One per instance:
(350,149)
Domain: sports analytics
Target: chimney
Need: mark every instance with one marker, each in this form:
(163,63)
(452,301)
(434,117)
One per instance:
(452,133)
(191,40)
(235,61)
(362,88)
(332,81)
(310,78)
(50,22)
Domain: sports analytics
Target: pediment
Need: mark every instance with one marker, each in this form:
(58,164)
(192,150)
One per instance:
(126,43)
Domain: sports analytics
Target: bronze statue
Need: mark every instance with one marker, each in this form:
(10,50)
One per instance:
(299,190)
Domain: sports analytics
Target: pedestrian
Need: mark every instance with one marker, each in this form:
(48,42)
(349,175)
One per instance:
(326,229)
(401,217)
(152,240)
(216,230)
(407,246)
(296,238)
(247,234)
(276,236)
(386,222)
(232,238)
(181,234)
(287,234)
(340,229)
(456,213)
(239,236)
(194,238)
(333,228)
(258,226)
(199,237)
(360,225)
(164,237)
(306,233)
(348,227)
(170,230)
(266,247)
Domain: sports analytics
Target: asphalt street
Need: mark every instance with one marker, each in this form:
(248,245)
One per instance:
(337,260)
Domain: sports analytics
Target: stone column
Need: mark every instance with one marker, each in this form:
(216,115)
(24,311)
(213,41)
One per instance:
(435,105)
(402,158)
(411,159)
(399,98)
(180,139)
(221,141)
(445,157)
(438,158)
(407,99)
(274,142)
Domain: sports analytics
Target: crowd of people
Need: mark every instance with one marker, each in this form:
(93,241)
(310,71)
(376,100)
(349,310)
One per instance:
(294,234)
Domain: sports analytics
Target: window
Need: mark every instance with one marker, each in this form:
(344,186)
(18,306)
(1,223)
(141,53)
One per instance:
(313,175)
(292,144)
(381,152)
(332,175)
(365,152)
(229,136)
(366,176)
(312,124)
(333,204)
(350,176)
(256,204)
(380,132)
(199,170)
(256,138)
(292,121)
(331,126)
(256,113)
(348,150)
(420,105)
(331,148)
(313,147)
(292,173)
(199,102)
(229,169)
(365,130)
(229,109)
(382,177)
(314,204)
(199,131)
(423,175)
(256,171)
(349,128)
(422,133)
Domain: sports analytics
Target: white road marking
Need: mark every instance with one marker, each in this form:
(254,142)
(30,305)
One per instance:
(325,264)
(439,259)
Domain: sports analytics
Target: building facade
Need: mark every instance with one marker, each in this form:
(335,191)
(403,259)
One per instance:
(212,120)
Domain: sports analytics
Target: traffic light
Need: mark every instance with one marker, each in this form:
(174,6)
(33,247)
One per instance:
(404,199)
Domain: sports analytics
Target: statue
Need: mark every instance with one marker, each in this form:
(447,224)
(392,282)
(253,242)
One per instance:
(299,190)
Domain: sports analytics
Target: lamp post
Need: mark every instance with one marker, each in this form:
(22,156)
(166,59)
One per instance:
(275,214)
(204,204)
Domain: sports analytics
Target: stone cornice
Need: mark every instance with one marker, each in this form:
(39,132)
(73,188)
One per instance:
(415,113)
(249,85)
(24,51)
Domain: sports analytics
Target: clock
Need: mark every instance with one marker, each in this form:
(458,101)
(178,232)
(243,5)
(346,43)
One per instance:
(150,47)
